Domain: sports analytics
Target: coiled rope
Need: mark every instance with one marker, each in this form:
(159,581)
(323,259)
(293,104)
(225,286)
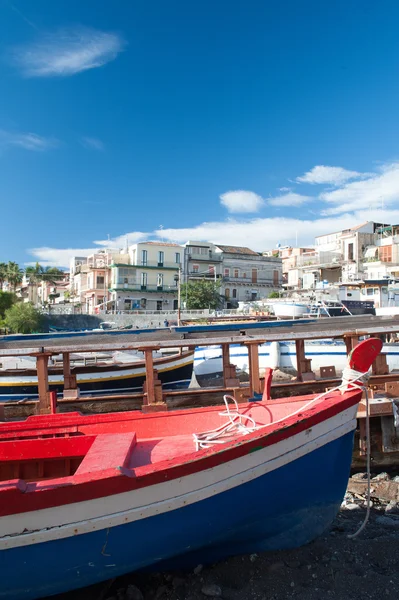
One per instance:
(241,424)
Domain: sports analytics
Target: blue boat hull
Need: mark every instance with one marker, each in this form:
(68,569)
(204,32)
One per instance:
(284,508)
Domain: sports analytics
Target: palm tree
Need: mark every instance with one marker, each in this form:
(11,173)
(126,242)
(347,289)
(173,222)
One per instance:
(34,273)
(3,274)
(13,274)
(38,273)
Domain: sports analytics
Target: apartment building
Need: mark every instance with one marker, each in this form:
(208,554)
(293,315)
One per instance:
(90,279)
(148,279)
(243,274)
(336,257)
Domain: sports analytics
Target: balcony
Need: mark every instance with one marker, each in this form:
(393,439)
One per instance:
(137,287)
(211,257)
(200,275)
(153,265)
(320,260)
(249,280)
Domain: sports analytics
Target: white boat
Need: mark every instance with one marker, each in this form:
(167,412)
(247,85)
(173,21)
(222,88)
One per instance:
(284,309)
(281,355)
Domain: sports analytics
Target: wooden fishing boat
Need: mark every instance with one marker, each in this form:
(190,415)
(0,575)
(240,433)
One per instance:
(174,371)
(88,498)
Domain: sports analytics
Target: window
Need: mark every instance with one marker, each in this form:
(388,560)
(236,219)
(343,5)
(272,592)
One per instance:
(244,275)
(160,280)
(144,255)
(350,251)
(159,304)
(370,291)
(385,253)
(227,272)
(125,276)
(236,273)
(234,293)
(275,278)
(198,250)
(100,281)
(227,292)
(160,258)
(211,269)
(177,258)
(143,280)
(195,268)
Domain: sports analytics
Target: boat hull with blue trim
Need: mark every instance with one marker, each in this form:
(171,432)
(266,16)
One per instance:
(208,363)
(174,371)
(67,521)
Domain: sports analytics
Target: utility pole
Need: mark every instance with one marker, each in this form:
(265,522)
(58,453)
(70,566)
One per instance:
(179,297)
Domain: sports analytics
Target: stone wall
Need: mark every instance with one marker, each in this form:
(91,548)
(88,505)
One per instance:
(141,321)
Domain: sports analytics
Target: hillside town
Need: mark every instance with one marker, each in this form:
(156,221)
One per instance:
(146,276)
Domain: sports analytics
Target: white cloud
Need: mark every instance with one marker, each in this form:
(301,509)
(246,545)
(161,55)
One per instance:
(92,143)
(328,175)
(379,189)
(27,141)
(132,237)
(57,257)
(290,199)
(241,201)
(67,52)
(257,233)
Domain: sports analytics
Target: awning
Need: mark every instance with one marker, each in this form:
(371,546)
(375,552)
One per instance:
(371,252)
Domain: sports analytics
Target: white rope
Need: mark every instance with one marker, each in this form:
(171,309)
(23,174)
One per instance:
(363,387)
(236,425)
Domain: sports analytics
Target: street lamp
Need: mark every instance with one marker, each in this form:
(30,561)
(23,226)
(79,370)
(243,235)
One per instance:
(177,279)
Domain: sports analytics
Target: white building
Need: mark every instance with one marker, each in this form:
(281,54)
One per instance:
(337,257)
(148,279)
(243,274)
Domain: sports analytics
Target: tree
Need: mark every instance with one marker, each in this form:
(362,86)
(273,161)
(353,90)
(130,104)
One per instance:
(38,273)
(23,318)
(3,274)
(13,274)
(201,294)
(7,299)
(274,294)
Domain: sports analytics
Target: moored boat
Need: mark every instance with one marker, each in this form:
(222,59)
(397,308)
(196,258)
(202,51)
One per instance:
(88,498)
(125,373)
(208,362)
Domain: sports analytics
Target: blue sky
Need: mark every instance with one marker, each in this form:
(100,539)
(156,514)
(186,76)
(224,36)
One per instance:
(251,122)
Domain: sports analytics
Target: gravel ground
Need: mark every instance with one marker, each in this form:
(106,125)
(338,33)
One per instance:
(333,566)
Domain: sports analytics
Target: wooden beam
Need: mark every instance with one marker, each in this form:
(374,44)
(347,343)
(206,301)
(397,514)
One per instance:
(300,357)
(226,363)
(255,384)
(44,407)
(70,384)
(351,341)
(171,339)
(66,363)
(149,397)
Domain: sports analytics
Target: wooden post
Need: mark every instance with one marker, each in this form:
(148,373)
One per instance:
(255,385)
(300,356)
(304,369)
(66,365)
(71,390)
(44,407)
(351,340)
(226,363)
(149,397)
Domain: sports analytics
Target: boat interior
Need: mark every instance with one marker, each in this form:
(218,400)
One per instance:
(72,444)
